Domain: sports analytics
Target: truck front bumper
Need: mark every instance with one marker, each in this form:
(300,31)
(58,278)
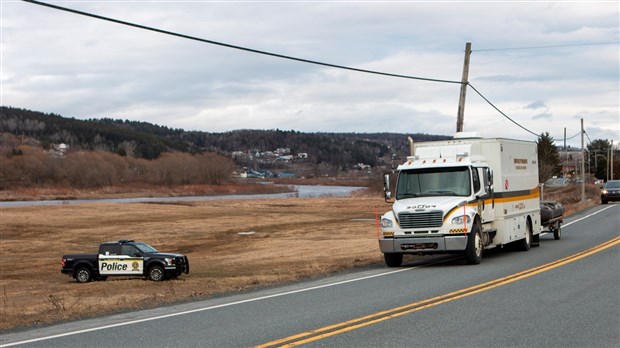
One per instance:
(423,245)
(181,266)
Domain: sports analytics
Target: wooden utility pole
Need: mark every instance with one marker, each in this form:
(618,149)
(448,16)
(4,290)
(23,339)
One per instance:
(461,112)
(583,167)
(611,161)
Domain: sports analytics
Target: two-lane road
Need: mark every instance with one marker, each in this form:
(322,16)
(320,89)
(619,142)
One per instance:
(564,293)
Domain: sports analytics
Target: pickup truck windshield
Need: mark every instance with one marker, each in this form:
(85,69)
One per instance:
(433,182)
(145,248)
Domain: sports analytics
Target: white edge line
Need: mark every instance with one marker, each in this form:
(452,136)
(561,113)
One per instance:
(242,301)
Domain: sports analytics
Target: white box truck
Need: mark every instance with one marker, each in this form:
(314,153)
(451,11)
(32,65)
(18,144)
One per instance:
(462,196)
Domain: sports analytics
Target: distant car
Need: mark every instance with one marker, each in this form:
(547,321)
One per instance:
(557,182)
(611,191)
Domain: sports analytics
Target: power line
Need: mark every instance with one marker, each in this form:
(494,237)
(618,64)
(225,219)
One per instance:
(117,21)
(546,47)
(574,136)
(500,111)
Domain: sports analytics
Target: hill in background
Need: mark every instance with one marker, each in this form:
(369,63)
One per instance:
(149,141)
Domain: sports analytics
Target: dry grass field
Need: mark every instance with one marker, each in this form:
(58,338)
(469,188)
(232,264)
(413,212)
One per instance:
(290,239)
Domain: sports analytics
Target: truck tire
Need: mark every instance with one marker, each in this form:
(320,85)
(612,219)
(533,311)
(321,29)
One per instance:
(393,259)
(473,251)
(156,273)
(557,232)
(83,275)
(526,243)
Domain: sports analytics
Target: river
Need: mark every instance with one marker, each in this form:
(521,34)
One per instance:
(302,191)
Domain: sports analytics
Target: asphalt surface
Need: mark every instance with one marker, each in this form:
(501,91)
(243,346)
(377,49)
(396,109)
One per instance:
(565,293)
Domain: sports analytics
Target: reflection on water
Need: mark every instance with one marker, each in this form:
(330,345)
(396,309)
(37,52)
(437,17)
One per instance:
(303,191)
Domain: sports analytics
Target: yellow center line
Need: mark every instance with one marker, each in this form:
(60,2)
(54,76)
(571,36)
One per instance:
(350,325)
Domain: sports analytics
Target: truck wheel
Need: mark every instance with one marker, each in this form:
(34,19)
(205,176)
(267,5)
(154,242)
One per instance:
(393,259)
(83,275)
(473,251)
(557,232)
(156,273)
(526,243)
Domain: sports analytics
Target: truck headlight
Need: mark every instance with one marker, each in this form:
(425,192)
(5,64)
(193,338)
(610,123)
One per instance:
(386,223)
(460,220)
(169,261)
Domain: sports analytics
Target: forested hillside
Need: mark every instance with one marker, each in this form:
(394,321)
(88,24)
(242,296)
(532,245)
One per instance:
(148,141)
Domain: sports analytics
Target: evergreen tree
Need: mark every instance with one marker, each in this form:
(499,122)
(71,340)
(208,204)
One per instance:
(548,158)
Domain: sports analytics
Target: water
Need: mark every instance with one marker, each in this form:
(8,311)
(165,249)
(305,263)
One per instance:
(303,191)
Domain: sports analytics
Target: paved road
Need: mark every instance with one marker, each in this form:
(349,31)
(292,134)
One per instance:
(564,293)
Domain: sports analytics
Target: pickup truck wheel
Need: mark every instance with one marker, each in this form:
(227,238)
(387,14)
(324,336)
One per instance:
(393,259)
(83,275)
(156,273)
(473,251)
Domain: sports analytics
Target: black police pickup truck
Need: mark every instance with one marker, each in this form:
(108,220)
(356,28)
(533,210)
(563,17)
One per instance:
(124,258)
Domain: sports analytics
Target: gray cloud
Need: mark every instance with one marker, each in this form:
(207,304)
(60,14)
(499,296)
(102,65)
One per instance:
(539,104)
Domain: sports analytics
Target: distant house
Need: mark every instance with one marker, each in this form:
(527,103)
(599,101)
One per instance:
(571,161)
(59,150)
(362,166)
(283,150)
(286,158)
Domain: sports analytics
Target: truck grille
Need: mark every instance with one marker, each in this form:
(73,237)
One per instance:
(421,220)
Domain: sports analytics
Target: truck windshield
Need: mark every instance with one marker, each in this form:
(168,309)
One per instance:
(433,182)
(145,248)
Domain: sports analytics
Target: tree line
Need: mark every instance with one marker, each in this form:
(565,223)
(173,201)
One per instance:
(149,141)
(28,165)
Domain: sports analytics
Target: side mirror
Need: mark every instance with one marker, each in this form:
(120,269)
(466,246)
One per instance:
(386,187)
(490,176)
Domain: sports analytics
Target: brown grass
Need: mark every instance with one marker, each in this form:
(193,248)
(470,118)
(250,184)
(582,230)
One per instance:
(55,192)
(293,239)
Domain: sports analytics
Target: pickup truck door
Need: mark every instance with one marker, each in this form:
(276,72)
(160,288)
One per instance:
(128,261)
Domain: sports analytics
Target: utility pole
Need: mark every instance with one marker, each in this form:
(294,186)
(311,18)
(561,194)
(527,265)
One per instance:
(564,138)
(607,166)
(611,162)
(583,167)
(464,81)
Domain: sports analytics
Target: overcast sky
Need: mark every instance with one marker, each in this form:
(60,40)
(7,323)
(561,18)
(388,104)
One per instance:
(544,64)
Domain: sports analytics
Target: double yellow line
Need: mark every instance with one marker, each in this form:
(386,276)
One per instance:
(350,325)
